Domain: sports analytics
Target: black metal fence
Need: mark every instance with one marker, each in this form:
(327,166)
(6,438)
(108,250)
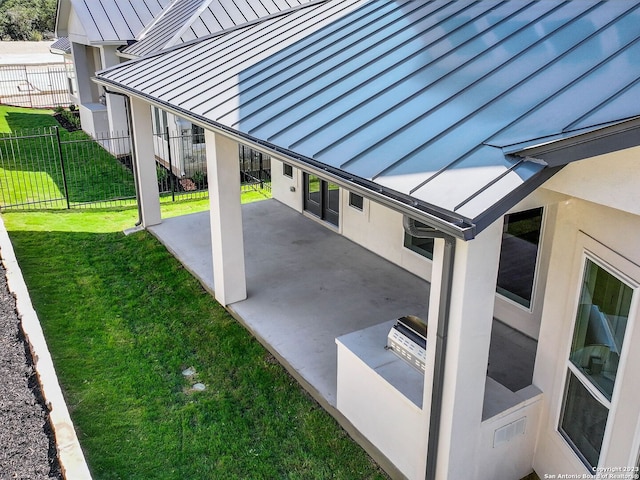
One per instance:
(52,169)
(34,86)
(182,166)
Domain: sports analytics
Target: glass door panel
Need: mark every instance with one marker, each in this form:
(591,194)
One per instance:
(322,198)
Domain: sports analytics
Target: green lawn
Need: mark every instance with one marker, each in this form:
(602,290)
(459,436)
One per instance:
(30,168)
(122,319)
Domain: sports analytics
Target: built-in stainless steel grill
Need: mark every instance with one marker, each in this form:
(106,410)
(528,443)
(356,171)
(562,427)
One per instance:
(408,340)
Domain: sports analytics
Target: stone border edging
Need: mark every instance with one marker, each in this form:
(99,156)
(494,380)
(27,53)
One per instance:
(70,456)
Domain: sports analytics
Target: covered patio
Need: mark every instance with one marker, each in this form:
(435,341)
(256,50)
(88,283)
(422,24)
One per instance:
(308,285)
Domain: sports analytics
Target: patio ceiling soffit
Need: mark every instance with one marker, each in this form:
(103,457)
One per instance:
(434,107)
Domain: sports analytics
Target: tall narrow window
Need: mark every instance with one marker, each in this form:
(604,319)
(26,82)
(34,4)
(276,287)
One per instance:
(600,325)
(197,134)
(518,255)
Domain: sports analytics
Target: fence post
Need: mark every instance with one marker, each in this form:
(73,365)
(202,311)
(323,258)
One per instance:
(171,181)
(26,77)
(64,173)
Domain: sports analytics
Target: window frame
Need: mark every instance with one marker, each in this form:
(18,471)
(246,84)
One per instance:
(197,134)
(359,208)
(628,273)
(287,166)
(407,242)
(536,270)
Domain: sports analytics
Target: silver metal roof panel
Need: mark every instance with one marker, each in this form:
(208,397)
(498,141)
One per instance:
(162,31)
(116,21)
(61,46)
(419,98)
(186,20)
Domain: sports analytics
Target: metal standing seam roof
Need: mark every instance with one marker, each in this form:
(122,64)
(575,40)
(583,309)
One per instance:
(186,20)
(420,99)
(116,21)
(61,46)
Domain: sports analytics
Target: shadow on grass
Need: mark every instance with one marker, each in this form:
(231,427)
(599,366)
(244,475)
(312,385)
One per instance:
(123,319)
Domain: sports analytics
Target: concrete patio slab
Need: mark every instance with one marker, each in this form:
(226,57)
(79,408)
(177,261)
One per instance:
(306,285)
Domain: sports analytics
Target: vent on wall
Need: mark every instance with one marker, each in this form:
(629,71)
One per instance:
(508,432)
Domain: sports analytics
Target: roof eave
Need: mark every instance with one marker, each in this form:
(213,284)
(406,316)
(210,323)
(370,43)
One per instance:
(620,136)
(447,222)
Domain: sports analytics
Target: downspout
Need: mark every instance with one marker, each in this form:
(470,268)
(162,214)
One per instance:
(134,157)
(441,337)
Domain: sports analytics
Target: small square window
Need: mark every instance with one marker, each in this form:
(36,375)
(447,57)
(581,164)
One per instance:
(287,170)
(422,246)
(356,201)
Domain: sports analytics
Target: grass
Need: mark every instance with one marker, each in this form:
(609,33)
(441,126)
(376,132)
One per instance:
(123,319)
(30,168)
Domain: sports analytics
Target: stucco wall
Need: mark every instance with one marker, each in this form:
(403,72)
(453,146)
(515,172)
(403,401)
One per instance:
(284,189)
(613,237)
(375,227)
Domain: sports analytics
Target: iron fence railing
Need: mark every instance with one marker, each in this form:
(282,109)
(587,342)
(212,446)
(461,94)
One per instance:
(34,86)
(182,166)
(52,168)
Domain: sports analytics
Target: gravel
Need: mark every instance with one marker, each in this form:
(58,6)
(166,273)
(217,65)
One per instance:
(27,448)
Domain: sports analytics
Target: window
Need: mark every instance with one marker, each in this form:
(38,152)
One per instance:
(600,325)
(160,117)
(197,134)
(518,255)
(422,246)
(356,201)
(156,117)
(287,170)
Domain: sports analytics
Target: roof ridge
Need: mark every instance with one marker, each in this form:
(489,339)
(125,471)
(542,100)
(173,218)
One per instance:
(248,24)
(186,25)
(156,20)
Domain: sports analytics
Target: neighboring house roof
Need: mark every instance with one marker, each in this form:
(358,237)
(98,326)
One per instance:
(111,21)
(430,102)
(60,46)
(186,20)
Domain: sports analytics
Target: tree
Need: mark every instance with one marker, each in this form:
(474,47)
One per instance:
(26,19)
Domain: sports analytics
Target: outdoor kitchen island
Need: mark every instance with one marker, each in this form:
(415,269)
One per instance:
(382,396)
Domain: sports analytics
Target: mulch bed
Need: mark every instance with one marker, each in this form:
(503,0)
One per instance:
(65,123)
(27,448)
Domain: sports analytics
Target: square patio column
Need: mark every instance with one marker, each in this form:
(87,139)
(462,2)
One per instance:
(85,68)
(116,111)
(223,174)
(473,290)
(145,164)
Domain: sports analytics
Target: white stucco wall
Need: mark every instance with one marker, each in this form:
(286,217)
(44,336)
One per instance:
(284,189)
(610,180)
(506,442)
(527,319)
(75,29)
(613,236)
(375,227)
(379,229)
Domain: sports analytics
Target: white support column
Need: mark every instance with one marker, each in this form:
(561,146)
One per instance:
(93,115)
(116,111)
(84,66)
(149,196)
(467,353)
(223,173)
